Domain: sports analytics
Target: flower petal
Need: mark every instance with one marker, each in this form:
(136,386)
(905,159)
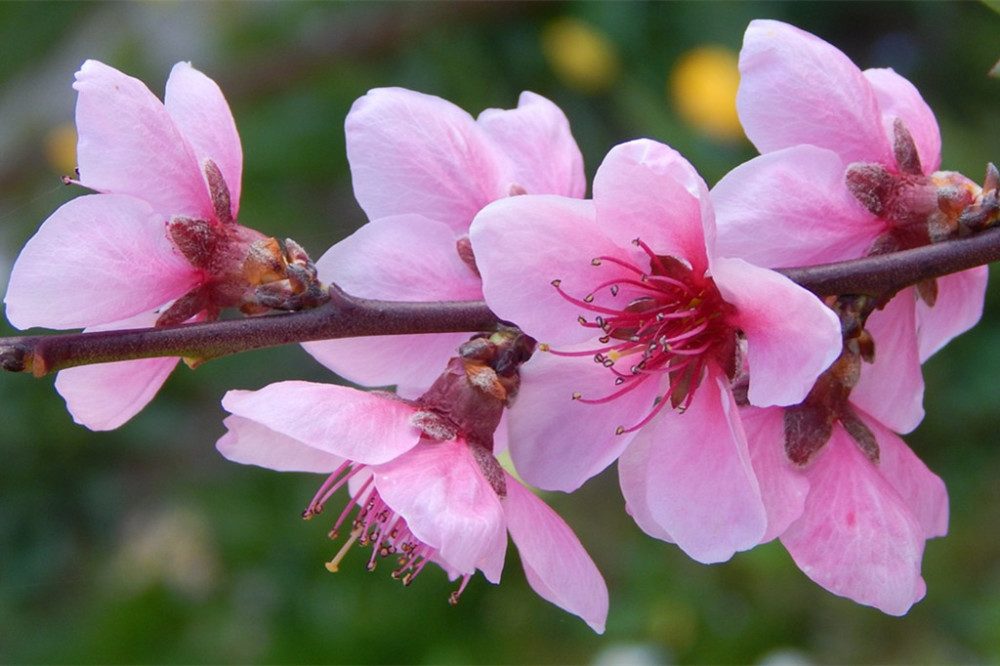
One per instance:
(857,538)
(556,442)
(892,388)
(959,306)
(200,112)
(898,98)
(544,157)
(416,153)
(791,208)
(792,336)
(251,443)
(555,562)
(524,243)
(645,189)
(448,504)
(363,427)
(796,88)
(923,491)
(783,486)
(399,258)
(97,259)
(699,486)
(128,144)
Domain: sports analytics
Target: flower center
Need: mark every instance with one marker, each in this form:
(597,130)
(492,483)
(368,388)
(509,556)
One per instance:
(376,524)
(662,322)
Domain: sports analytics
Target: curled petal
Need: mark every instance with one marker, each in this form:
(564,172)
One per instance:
(364,427)
(200,111)
(448,504)
(129,144)
(796,88)
(555,562)
(97,259)
(251,443)
(105,396)
(792,336)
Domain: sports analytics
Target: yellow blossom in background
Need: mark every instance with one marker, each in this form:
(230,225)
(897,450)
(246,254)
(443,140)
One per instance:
(581,56)
(60,148)
(703,86)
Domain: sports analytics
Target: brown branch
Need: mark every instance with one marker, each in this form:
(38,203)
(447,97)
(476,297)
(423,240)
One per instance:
(344,316)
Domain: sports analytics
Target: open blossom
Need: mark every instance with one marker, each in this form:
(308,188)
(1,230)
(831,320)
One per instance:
(849,500)
(159,242)
(849,167)
(421,169)
(422,478)
(646,328)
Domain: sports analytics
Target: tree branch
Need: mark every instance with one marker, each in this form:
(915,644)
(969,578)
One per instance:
(344,316)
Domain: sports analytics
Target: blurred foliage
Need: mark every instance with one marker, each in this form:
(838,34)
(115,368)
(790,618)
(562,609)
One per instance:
(143,545)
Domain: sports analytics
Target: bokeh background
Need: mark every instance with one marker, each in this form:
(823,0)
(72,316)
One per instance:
(144,545)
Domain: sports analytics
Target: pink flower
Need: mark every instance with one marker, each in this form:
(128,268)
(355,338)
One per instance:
(849,167)
(422,168)
(424,491)
(158,244)
(851,503)
(632,281)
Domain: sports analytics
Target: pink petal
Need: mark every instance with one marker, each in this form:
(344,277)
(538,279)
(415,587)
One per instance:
(898,98)
(128,144)
(202,115)
(892,388)
(416,153)
(959,306)
(363,427)
(792,336)
(251,443)
(857,538)
(922,491)
(645,189)
(557,442)
(105,396)
(791,208)
(97,259)
(555,562)
(411,363)
(524,243)
(544,157)
(448,504)
(796,88)
(783,486)
(690,473)
(400,258)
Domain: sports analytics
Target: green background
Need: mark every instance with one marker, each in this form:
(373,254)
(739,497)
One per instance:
(144,545)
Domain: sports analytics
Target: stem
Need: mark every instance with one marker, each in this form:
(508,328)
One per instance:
(344,316)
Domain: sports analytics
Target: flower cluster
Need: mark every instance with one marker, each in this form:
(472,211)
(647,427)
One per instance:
(645,326)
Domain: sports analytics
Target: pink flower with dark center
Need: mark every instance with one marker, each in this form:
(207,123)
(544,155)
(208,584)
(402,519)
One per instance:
(422,489)
(422,168)
(159,243)
(849,167)
(646,327)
